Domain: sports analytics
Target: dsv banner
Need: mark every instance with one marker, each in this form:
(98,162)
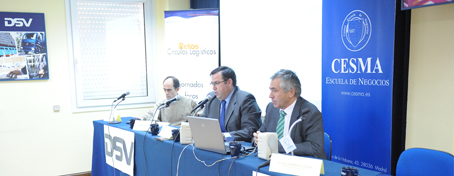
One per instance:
(119,148)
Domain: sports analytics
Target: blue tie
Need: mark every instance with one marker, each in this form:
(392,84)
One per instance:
(221,119)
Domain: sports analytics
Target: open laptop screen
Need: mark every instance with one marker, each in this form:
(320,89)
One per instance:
(207,134)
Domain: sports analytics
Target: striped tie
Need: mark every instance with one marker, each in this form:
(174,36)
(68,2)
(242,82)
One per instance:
(280,125)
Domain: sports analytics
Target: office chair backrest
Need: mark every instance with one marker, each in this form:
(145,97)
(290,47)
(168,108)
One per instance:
(423,162)
(328,146)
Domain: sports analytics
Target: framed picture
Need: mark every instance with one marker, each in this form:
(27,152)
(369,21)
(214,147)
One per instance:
(23,47)
(410,4)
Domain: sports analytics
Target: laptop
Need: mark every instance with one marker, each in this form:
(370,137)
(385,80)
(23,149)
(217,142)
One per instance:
(207,134)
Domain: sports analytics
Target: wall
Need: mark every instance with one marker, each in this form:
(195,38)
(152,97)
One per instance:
(37,141)
(430,119)
(34,139)
(179,4)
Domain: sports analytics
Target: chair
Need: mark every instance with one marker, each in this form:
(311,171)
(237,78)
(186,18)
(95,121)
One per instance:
(328,146)
(423,162)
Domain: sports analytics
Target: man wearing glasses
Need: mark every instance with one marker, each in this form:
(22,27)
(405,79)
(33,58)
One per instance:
(237,110)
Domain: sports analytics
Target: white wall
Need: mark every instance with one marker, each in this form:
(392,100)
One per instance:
(430,119)
(179,4)
(34,139)
(37,141)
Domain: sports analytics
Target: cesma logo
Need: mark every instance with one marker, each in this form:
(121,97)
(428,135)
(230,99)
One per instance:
(356,65)
(356,30)
(17,22)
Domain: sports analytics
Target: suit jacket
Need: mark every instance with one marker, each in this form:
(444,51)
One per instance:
(308,135)
(242,116)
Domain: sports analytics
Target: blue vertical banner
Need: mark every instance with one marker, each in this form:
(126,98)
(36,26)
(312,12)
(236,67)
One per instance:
(357,80)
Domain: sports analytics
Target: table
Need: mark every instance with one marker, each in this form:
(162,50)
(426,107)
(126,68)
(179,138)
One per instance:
(161,158)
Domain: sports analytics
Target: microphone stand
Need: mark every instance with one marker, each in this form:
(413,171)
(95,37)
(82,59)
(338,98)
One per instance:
(113,121)
(153,120)
(161,106)
(294,123)
(300,119)
(198,109)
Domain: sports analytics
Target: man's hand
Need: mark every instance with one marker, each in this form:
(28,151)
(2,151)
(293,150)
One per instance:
(13,74)
(256,136)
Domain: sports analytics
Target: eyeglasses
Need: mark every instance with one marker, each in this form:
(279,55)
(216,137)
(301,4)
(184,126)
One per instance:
(216,83)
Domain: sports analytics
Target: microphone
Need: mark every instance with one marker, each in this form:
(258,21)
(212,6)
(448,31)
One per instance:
(208,98)
(112,108)
(123,95)
(176,98)
(167,103)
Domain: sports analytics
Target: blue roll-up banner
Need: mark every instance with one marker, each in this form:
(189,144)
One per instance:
(357,80)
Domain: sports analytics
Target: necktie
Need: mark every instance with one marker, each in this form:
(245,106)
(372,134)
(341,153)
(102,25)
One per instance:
(221,119)
(280,125)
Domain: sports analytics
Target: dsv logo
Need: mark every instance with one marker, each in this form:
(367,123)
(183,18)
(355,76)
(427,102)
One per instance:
(112,144)
(17,22)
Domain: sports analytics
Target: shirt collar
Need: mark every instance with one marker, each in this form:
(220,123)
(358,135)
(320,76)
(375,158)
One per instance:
(227,100)
(289,109)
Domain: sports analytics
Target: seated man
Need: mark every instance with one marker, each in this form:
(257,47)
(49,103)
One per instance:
(285,108)
(177,111)
(237,110)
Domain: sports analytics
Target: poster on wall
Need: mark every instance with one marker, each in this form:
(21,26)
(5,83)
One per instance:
(23,47)
(357,80)
(410,4)
(192,44)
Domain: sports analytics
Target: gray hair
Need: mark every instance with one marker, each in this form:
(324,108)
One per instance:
(289,81)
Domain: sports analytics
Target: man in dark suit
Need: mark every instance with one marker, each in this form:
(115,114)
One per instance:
(237,110)
(286,107)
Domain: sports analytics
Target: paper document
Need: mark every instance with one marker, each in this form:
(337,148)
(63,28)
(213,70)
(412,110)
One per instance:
(140,125)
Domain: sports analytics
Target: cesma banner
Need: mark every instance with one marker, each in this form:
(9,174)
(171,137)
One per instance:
(192,49)
(119,148)
(357,80)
